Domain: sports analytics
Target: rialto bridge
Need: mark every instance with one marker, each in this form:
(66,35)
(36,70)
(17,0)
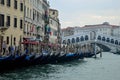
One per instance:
(106,42)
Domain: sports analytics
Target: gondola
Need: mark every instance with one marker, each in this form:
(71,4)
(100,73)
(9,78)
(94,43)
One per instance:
(61,58)
(69,56)
(44,58)
(5,62)
(74,56)
(6,58)
(37,59)
(19,60)
(53,58)
(28,59)
(16,61)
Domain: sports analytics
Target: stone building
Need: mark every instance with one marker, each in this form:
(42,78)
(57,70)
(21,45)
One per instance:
(27,19)
(89,31)
(11,21)
(54,26)
(34,22)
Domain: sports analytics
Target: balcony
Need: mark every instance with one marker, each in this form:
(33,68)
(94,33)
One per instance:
(5,27)
(28,19)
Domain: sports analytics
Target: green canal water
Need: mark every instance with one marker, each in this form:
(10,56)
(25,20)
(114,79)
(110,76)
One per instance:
(105,68)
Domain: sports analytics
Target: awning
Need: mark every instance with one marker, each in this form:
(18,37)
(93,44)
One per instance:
(40,39)
(53,45)
(30,42)
(43,44)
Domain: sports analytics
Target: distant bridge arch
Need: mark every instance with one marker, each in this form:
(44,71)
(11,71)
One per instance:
(82,38)
(86,37)
(100,39)
(77,39)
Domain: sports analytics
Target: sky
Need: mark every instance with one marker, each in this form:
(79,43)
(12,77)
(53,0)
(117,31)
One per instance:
(87,12)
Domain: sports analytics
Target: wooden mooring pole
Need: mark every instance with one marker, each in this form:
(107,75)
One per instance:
(95,50)
(100,53)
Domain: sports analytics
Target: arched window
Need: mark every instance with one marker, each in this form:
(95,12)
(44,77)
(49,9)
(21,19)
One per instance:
(73,40)
(116,42)
(64,42)
(82,38)
(108,40)
(86,37)
(68,41)
(112,41)
(99,38)
(103,38)
(77,39)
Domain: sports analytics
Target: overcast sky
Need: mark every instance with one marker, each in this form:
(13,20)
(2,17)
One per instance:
(87,12)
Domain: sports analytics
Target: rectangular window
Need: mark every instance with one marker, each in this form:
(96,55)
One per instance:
(38,16)
(15,4)
(21,6)
(21,24)
(2,2)
(30,13)
(7,40)
(33,14)
(1,20)
(8,3)
(25,11)
(8,21)
(14,40)
(53,12)
(15,22)
(27,29)
(24,28)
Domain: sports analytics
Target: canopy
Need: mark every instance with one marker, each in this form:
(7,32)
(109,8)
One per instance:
(30,42)
(43,44)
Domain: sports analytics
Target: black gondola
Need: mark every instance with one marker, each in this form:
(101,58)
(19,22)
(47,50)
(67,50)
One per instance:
(19,60)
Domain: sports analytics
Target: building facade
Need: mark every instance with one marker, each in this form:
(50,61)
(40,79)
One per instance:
(72,34)
(54,26)
(116,31)
(45,7)
(27,19)
(11,21)
(34,18)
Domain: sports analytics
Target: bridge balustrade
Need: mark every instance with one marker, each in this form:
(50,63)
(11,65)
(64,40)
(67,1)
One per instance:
(102,39)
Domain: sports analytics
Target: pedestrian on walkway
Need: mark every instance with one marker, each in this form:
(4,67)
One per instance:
(4,46)
(9,49)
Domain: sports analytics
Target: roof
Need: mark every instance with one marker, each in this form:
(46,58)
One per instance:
(53,9)
(68,28)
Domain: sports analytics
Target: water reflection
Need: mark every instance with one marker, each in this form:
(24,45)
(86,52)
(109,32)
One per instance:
(88,69)
(39,71)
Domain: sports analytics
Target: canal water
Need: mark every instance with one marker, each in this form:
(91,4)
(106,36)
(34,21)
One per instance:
(105,68)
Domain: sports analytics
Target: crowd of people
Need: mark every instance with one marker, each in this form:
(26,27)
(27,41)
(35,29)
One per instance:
(28,49)
(7,50)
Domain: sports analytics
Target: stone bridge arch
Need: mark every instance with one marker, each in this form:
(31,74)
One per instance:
(96,38)
(92,35)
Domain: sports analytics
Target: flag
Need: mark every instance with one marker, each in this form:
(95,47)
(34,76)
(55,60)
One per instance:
(49,30)
(50,33)
(38,27)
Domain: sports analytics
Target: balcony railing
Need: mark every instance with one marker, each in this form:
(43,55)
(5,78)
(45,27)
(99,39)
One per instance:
(5,27)
(28,19)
